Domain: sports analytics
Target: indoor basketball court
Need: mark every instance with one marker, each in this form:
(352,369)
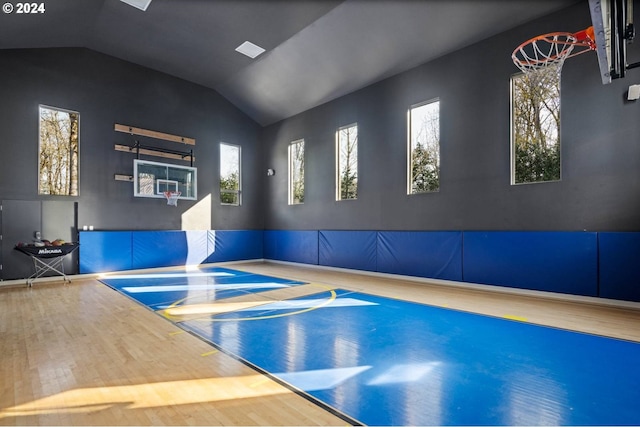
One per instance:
(511,302)
(370,357)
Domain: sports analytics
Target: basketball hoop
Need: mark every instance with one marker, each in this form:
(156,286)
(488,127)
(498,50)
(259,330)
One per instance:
(172,197)
(549,51)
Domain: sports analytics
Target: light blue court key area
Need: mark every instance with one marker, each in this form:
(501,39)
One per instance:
(390,362)
(158,290)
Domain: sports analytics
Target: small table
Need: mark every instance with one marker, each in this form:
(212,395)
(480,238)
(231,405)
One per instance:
(47,258)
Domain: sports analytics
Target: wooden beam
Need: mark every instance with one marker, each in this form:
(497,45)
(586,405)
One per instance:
(148,152)
(153,134)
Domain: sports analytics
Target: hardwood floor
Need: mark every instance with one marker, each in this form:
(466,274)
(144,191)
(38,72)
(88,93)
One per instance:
(617,319)
(83,354)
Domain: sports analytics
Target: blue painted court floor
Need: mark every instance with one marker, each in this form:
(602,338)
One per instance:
(383,361)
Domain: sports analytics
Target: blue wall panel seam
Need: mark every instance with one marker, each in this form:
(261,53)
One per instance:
(598,263)
(131,249)
(462,255)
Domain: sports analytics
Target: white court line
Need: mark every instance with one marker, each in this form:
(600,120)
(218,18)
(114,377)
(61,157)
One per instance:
(173,288)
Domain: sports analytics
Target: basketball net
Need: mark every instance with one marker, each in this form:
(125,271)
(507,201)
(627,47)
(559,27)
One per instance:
(543,56)
(172,197)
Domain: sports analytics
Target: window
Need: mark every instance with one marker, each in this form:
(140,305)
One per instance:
(535,125)
(58,152)
(296,172)
(424,147)
(230,177)
(347,159)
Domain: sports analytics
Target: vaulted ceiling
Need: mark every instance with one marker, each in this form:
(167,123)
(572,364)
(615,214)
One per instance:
(316,50)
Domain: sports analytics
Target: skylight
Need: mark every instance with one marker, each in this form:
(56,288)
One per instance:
(249,49)
(139,4)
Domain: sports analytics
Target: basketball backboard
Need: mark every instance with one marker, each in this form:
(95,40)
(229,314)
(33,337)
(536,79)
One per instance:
(153,179)
(612,22)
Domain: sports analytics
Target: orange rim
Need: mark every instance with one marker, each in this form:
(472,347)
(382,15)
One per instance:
(558,47)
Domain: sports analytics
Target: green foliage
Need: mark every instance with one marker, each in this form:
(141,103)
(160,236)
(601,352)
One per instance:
(229,187)
(537,163)
(348,184)
(298,191)
(425,170)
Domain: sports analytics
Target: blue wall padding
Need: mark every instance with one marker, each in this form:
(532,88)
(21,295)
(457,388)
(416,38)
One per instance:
(432,254)
(104,251)
(579,263)
(160,249)
(125,250)
(291,245)
(234,245)
(620,265)
(565,262)
(348,249)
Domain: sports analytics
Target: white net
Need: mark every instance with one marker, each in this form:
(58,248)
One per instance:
(172,197)
(543,77)
(544,54)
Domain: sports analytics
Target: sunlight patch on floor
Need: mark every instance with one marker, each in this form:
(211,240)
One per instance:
(150,395)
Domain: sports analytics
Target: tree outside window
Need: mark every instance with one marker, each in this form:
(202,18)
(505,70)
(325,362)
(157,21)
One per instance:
(230,178)
(535,142)
(58,152)
(296,172)
(347,157)
(424,147)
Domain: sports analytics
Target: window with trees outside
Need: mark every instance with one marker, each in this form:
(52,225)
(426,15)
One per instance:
(347,162)
(58,152)
(424,147)
(230,175)
(535,124)
(296,172)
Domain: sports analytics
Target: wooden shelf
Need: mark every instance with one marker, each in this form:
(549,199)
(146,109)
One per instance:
(138,149)
(153,134)
(156,153)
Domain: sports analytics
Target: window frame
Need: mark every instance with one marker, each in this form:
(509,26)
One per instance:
(77,165)
(410,137)
(512,141)
(237,192)
(338,157)
(292,172)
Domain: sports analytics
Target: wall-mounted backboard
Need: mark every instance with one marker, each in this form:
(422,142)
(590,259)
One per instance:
(152,179)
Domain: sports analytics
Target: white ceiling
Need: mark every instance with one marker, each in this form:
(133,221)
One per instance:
(316,50)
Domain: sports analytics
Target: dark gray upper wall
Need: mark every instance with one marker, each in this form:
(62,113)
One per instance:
(600,143)
(106,91)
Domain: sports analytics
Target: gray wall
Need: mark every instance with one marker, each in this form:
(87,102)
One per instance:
(600,187)
(600,143)
(106,91)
